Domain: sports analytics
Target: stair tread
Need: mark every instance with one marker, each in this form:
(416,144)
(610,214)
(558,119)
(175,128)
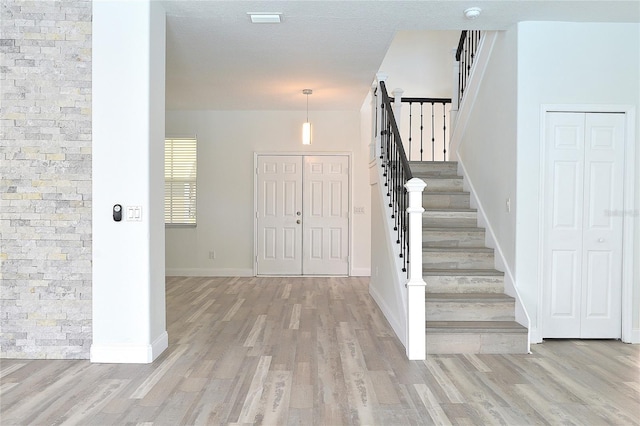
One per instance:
(451,210)
(435,175)
(427,192)
(479,297)
(475,326)
(435,163)
(456,249)
(452,229)
(466,272)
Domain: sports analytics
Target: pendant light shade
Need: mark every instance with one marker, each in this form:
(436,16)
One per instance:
(306,133)
(306,126)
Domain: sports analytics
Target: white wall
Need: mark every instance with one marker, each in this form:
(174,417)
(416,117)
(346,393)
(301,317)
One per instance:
(384,286)
(157,305)
(128,128)
(490,139)
(420,63)
(227,141)
(567,63)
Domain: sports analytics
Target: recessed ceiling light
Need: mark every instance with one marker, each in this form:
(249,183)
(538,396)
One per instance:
(265,18)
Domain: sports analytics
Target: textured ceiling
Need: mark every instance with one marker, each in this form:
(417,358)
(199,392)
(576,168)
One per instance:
(217,59)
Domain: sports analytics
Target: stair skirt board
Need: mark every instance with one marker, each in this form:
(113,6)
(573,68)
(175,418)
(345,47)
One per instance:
(466,308)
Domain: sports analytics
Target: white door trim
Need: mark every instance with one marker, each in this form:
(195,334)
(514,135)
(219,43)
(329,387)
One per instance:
(256,154)
(629,335)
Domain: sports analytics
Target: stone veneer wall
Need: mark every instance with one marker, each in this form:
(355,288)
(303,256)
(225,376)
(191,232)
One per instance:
(45,165)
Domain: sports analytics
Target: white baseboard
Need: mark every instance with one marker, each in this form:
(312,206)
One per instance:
(209,272)
(129,353)
(360,272)
(159,345)
(635,336)
(535,336)
(395,323)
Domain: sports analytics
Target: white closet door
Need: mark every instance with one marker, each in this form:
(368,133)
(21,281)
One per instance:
(602,226)
(279,211)
(583,234)
(326,215)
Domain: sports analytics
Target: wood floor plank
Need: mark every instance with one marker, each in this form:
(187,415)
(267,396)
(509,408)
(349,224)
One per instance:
(158,374)
(318,351)
(254,395)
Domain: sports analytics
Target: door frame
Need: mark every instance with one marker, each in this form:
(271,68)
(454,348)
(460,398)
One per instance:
(628,334)
(257,154)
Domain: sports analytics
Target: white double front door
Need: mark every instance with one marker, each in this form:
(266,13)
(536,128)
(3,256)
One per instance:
(302,215)
(583,203)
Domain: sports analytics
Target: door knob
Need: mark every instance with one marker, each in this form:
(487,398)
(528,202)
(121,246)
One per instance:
(298,213)
(298,221)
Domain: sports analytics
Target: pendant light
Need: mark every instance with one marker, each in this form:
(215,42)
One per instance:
(306,126)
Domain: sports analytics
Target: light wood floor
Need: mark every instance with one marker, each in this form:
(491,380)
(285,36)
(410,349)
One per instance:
(279,351)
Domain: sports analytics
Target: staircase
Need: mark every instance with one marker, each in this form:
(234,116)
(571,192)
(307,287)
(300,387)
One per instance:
(466,308)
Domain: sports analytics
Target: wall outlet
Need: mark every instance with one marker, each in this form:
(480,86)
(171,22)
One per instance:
(212,254)
(358,210)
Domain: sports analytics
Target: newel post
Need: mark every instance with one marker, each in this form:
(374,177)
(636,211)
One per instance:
(416,312)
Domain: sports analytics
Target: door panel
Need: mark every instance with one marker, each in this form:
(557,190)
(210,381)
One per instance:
(326,215)
(583,239)
(563,216)
(602,233)
(279,183)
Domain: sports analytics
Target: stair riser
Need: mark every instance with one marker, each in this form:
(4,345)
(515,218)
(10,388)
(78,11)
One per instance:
(470,311)
(435,220)
(442,184)
(464,284)
(452,238)
(449,168)
(449,222)
(434,200)
(476,343)
(457,260)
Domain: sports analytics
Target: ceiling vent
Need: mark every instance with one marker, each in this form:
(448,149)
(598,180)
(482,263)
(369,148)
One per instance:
(265,18)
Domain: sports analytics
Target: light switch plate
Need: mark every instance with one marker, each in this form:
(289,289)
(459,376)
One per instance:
(134,214)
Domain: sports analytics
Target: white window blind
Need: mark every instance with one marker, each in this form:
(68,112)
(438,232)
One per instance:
(180,161)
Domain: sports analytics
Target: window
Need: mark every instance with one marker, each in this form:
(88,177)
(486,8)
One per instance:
(180,181)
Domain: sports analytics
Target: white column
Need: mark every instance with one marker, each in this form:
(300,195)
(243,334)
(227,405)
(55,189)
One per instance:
(416,313)
(456,82)
(379,77)
(397,106)
(374,117)
(453,113)
(128,83)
